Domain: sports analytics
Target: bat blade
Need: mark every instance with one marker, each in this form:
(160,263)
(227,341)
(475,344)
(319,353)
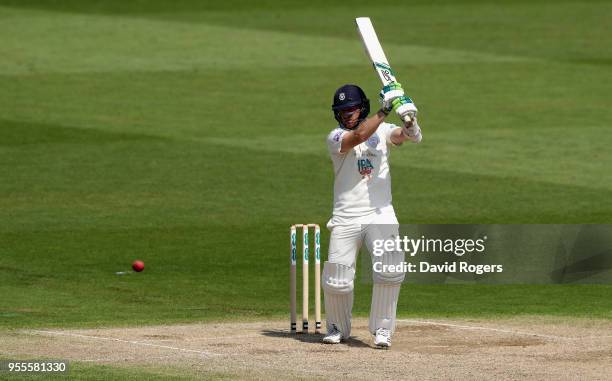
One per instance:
(375,50)
(378,58)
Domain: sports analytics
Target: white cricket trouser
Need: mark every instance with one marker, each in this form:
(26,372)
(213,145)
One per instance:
(348,236)
(346,239)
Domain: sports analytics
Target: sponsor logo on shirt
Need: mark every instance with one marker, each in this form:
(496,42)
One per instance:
(336,137)
(365,167)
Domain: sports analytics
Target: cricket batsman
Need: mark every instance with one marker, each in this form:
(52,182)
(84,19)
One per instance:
(362,213)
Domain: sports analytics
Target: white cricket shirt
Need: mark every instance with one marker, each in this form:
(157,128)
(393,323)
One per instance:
(362,183)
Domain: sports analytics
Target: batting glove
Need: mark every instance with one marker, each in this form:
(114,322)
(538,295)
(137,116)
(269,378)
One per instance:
(388,94)
(413,132)
(404,107)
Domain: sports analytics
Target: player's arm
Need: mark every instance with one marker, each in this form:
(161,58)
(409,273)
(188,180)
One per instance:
(410,131)
(362,132)
(389,93)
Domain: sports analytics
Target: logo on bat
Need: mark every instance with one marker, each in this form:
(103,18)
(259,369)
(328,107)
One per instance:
(385,70)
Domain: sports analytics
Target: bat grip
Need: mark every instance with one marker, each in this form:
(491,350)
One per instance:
(408,117)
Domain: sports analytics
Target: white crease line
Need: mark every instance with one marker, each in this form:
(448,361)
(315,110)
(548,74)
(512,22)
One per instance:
(126,341)
(206,338)
(489,329)
(125,359)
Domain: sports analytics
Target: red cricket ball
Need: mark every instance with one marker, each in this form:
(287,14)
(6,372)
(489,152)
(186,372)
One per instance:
(138,266)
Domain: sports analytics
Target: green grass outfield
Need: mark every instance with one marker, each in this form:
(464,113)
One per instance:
(191,136)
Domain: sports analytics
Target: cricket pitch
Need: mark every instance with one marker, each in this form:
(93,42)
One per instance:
(526,348)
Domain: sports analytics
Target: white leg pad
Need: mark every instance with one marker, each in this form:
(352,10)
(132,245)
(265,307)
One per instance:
(338,288)
(338,312)
(384,306)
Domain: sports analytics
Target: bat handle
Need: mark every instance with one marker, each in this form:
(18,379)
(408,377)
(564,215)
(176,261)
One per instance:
(408,117)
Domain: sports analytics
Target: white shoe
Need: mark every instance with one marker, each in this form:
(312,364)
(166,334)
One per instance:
(382,338)
(333,336)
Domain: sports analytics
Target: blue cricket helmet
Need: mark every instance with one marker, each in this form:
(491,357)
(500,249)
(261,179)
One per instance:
(349,96)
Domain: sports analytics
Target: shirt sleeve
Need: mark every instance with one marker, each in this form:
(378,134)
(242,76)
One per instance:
(334,141)
(387,129)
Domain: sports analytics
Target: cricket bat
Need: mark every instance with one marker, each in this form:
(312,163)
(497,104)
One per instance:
(379,61)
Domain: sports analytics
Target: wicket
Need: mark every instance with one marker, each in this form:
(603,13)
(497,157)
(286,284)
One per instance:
(305,264)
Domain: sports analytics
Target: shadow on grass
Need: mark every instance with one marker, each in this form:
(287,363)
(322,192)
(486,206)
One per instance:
(314,338)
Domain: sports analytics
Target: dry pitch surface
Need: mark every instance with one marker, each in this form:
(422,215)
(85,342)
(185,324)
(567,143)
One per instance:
(525,348)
